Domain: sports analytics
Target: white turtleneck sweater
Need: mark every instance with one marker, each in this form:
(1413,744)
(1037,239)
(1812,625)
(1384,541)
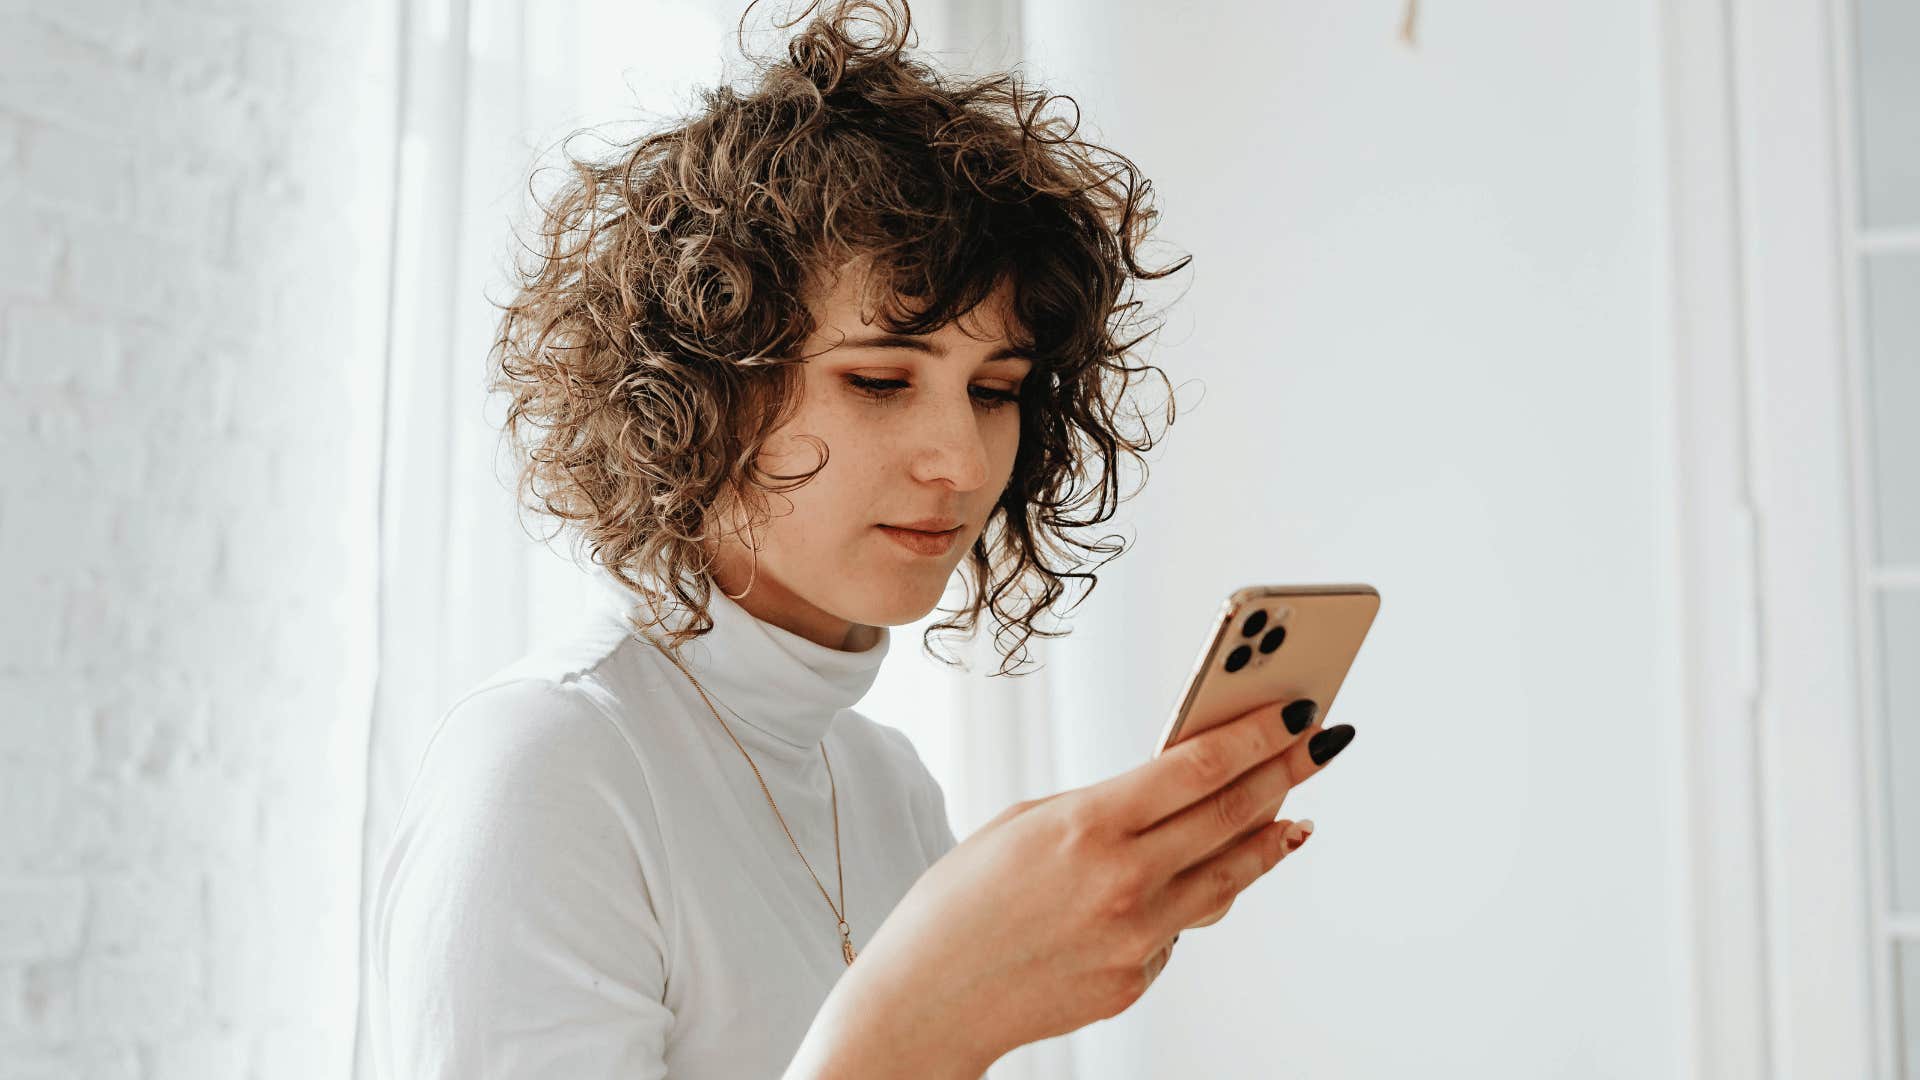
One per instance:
(586,880)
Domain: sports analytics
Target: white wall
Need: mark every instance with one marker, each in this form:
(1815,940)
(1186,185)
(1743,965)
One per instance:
(1426,306)
(192,254)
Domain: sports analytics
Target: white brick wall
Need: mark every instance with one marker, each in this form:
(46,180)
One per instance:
(193,224)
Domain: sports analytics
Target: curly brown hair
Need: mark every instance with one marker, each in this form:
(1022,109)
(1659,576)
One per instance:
(647,352)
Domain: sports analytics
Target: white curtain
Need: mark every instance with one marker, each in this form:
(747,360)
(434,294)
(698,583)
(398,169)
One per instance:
(487,88)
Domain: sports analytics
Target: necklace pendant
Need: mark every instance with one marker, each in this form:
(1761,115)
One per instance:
(846,949)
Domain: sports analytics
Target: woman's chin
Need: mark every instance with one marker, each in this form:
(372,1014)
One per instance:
(908,601)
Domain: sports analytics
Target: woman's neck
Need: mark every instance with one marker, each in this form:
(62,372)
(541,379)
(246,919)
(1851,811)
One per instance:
(775,604)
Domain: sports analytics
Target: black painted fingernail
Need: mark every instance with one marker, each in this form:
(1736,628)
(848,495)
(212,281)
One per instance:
(1299,715)
(1323,746)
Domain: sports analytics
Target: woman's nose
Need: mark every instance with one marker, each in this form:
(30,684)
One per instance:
(953,448)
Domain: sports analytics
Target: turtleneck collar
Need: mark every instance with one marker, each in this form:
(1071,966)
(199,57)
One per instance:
(783,684)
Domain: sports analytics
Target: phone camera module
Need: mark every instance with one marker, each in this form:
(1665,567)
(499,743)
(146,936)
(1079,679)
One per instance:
(1272,639)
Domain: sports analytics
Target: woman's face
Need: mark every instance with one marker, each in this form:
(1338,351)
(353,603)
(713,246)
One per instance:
(937,442)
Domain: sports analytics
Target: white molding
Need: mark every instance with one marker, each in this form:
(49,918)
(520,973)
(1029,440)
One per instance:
(1877,240)
(1784,955)
(1885,928)
(1729,1006)
(1890,577)
(1822,951)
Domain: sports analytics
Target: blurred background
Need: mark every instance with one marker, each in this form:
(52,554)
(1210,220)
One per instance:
(1588,333)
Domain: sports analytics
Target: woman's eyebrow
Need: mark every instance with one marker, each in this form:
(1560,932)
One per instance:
(903,341)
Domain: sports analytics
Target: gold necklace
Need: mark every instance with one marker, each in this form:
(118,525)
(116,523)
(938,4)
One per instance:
(846,937)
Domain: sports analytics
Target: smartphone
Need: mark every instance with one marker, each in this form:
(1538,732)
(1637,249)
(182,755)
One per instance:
(1273,643)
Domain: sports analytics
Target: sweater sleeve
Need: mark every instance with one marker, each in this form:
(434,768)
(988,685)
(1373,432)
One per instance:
(936,831)
(515,930)
(944,840)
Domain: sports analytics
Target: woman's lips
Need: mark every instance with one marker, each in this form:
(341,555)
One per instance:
(920,543)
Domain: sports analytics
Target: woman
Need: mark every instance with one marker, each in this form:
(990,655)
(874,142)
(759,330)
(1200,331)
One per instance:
(785,367)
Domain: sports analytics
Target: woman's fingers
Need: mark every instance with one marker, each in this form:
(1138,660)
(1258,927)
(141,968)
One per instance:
(1317,753)
(1196,767)
(1313,753)
(1325,748)
(1210,825)
(1219,822)
(1296,835)
(1212,886)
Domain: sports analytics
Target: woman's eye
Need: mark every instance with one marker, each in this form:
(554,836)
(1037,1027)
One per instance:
(987,397)
(876,388)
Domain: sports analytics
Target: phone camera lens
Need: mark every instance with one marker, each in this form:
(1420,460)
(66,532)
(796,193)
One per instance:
(1253,624)
(1273,639)
(1238,658)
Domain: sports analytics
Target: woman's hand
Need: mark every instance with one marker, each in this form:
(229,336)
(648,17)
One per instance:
(1058,912)
(1293,834)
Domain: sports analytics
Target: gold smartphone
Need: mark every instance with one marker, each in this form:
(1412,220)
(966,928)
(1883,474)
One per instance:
(1273,643)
